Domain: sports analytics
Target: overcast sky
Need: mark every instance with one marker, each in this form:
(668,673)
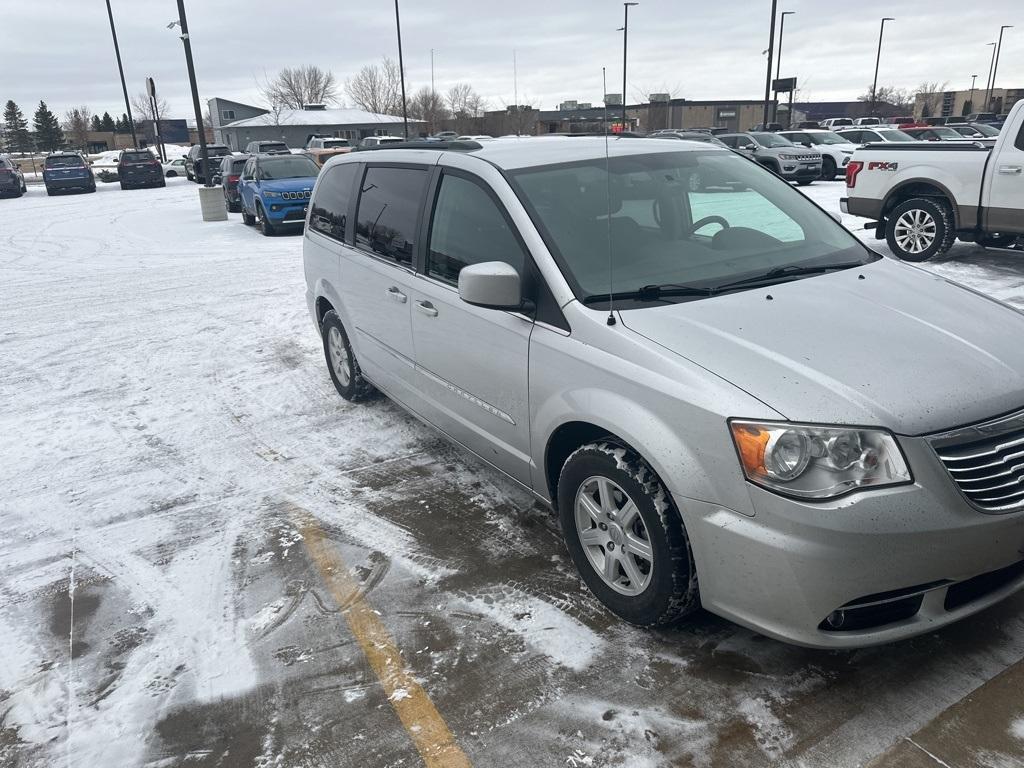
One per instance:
(60,50)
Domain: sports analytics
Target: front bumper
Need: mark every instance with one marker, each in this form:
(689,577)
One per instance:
(286,212)
(915,548)
(795,171)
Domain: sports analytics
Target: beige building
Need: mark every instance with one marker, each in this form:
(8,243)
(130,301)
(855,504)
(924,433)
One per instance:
(960,103)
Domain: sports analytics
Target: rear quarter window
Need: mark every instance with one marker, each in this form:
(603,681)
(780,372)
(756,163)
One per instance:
(329,215)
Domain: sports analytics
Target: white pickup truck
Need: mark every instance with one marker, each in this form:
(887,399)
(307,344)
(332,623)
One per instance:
(925,195)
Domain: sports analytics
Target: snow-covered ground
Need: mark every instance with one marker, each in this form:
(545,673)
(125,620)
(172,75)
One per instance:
(166,428)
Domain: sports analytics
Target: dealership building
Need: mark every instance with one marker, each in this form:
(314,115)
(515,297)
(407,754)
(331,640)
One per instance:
(236,124)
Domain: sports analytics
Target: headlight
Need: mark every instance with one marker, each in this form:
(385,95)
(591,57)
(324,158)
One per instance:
(271,194)
(816,462)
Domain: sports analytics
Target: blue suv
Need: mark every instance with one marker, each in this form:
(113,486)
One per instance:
(67,170)
(275,190)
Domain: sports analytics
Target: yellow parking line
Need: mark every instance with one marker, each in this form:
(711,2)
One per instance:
(427,729)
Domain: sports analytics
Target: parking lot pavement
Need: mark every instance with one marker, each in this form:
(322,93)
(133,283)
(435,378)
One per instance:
(207,558)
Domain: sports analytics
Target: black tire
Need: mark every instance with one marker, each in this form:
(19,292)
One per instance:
(172,174)
(936,219)
(672,592)
(999,241)
(828,169)
(189,176)
(92,187)
(805,182)
(356,388)
(162,183)
(124,186)
(264,221)
(247,218)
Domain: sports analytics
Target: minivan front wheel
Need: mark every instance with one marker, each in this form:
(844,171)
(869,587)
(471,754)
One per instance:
(625,536)
(341,360)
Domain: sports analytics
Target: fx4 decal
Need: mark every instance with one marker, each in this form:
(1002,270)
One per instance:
(879,165)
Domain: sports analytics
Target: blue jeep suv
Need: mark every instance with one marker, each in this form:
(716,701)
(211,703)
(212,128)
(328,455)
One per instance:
(275,190)
(67,170)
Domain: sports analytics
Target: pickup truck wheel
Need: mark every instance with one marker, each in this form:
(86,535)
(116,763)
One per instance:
(341,360)
(625,536)
(920,228)
(828,169)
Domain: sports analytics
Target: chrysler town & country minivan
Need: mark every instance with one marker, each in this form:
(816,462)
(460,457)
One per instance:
(730,401)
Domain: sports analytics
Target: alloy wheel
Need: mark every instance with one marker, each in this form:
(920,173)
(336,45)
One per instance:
(915,231)
(613,535)
(339,356)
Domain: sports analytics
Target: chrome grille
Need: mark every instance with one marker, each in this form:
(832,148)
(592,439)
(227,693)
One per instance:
(987,463)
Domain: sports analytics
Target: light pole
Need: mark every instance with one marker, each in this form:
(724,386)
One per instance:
(768,75)
(625,40)
(878,59)
(120,69)
(971,99)
(401,72)
(995,68)
(778,63)
(988,83)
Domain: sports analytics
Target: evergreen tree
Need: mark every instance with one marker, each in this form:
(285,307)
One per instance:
(125,125)
(16,135)
(94,124)
(49,135)
(107,123)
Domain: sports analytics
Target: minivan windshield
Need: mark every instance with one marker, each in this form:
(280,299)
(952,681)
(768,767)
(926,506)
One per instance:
(771,140)
(682,225)
(287,167)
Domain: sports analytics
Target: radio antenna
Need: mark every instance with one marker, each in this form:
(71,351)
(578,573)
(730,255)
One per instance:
(608,190)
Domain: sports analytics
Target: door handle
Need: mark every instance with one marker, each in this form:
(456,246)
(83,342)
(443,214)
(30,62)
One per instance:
(395,294)
(1010,170)
(426,308)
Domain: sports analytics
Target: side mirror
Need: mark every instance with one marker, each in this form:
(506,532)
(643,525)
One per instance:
(492,284)
(748,147)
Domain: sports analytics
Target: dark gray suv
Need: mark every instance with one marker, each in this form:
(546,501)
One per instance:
(791,162)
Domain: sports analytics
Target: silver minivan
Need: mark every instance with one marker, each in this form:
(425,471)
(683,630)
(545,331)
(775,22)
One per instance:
(730,401)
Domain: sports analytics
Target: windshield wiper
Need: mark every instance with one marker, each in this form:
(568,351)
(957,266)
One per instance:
(778,274)
(652,293)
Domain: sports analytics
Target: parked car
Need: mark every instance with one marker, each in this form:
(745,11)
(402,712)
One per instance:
(12,180)
(944,133)
(836,122)
(228,176)
(770,127)
(935,120)
(680,387)
(791,162)
(807,124)
(446,135)
(924,199)
(266,148)
(275,190)
(139,168)
(702,136)
(64,171)
(374,141)
(874,135)
(323,148)
(975,130)
(194,162)
(982,117)
(835,150)
(901,121)
(867,121)
(174,168)
(475,137)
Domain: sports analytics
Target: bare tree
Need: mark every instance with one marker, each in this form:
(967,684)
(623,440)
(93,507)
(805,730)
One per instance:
(929,95)
(377,88)
(888,94)
(142,107)
(428,105)
(465,104)
(295,87)
(77,126)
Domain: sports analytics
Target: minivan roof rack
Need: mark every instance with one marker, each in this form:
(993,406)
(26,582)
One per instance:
(455,146)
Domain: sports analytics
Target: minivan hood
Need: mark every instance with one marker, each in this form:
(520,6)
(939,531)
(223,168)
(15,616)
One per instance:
(883,345)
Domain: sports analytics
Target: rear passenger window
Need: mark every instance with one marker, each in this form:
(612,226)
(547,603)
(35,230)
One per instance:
(468,228)
(388,206)
(330,208)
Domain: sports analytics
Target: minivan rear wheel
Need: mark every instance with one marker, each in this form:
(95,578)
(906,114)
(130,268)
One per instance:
(625,535)
(341,360)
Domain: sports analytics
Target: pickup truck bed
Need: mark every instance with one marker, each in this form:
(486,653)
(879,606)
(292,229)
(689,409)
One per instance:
(925,195)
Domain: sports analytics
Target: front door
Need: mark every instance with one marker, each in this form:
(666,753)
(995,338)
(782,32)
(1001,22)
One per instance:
(1003,208)
(472,363)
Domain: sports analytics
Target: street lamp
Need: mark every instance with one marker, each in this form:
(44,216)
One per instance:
(778,63)
(995,69)
(988,83)
(120,69)
(878,58)
(625,39)
(210,200)
(971,99)
(768,74)
(401,72)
